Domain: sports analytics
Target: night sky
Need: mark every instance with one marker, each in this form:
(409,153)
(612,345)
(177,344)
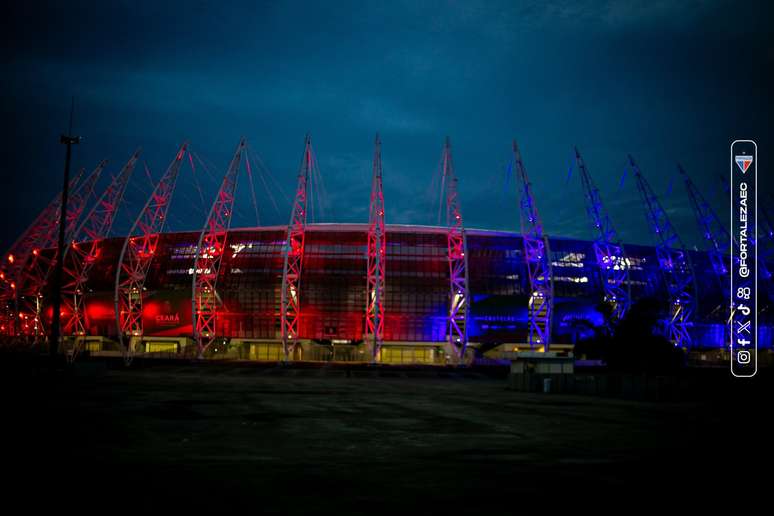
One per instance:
(662,81)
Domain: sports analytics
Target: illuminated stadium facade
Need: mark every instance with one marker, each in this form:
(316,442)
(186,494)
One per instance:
(416,295)
(356,292)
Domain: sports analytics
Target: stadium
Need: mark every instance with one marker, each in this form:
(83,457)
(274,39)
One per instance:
(376,292)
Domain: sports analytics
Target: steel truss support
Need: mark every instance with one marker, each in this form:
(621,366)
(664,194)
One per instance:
(84,251)
(137,254)
(717,238)
(293,255)
(608,250)
(459,300)
(538,261)
(209,254)
(674,263)
(35,276)
(376,255)
(35,237)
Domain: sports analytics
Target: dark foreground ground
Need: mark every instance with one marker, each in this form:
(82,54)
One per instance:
(324,440)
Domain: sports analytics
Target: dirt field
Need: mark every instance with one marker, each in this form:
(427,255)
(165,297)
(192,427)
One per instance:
(331,440)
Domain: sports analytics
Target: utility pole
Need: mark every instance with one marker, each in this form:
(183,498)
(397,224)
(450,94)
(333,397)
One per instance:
(56,290)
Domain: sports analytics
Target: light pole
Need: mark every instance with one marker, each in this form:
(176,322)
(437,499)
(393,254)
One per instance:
(56,290)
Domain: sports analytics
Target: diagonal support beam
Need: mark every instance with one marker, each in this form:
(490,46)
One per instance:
(674,263)
(35,237)
(209,255)
(609,252)
(536,256)
(35,276)
(84,251)
(137,254)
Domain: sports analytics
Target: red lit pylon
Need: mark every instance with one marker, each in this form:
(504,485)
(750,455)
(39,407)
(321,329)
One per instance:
(36,274)
(137,254)
(209,254)
(293,255)
(374,334)
(39,235)
(82,254)
(457,330)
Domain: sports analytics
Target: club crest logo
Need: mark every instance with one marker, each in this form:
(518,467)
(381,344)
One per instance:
(743,162)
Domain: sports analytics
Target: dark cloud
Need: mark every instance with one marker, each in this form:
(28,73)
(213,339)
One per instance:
(665,81)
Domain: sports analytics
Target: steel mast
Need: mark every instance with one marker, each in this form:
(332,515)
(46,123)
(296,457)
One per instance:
(137,254)
(674,263)
(376,256)
(34,237)
(80,256)
(42,230)
(209,254)
(713,231)
(459,301)
(537,259)
(35,276)
(293,255)
(608,249)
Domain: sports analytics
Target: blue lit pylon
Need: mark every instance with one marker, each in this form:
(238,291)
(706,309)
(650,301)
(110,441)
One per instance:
(457,331)
(374,328)
(673,262)
(293,255)
(718,241)
(537,259)
(608,250)
(209,254)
